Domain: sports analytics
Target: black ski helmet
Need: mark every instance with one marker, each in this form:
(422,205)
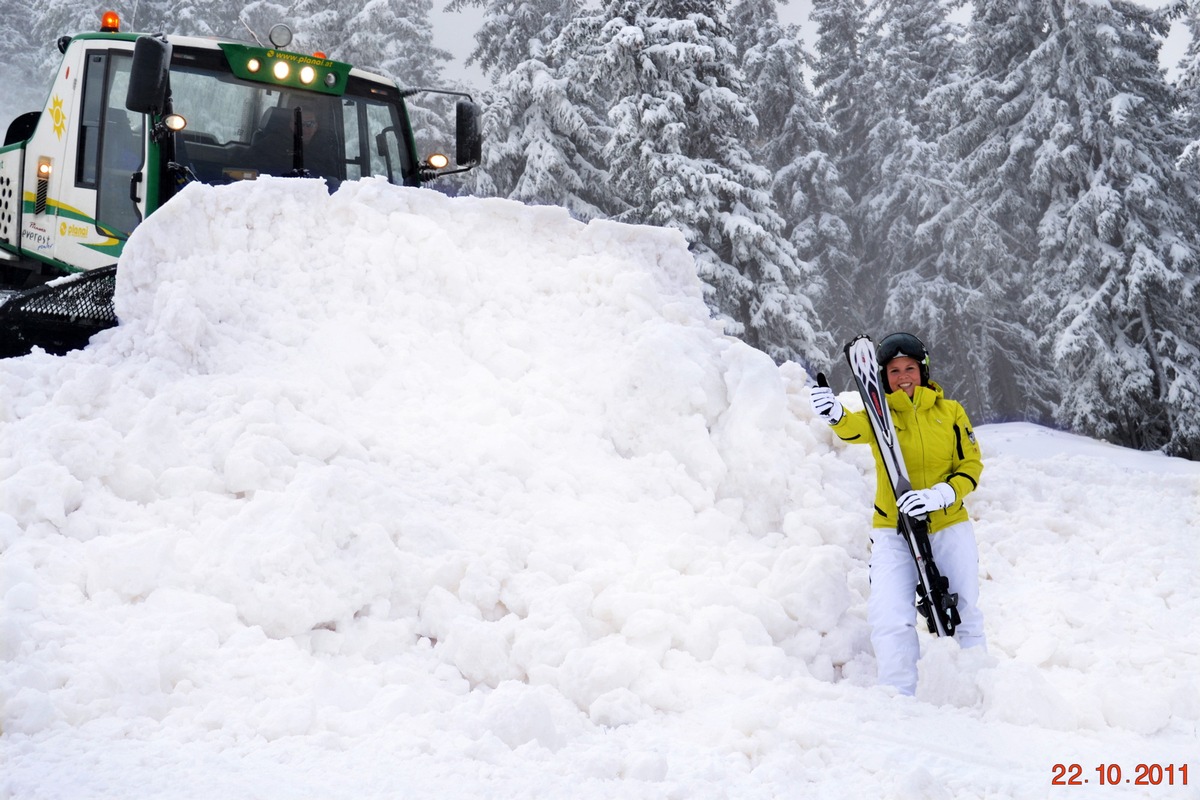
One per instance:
(896,345)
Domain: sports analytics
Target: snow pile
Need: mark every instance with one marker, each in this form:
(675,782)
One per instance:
(388,494)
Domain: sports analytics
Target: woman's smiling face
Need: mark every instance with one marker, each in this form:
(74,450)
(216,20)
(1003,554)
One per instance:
(903,373)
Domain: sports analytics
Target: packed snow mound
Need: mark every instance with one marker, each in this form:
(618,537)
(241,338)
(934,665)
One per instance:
(385,493)
(386,420)
(393,375)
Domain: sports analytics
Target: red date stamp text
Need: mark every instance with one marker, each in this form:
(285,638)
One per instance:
(1113,774)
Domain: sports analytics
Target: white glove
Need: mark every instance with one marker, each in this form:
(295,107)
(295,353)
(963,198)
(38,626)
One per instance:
(825,404)
(919,502)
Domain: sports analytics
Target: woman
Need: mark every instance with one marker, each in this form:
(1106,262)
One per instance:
(944,465)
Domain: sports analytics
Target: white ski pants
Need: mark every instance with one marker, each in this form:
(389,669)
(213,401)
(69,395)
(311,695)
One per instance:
(891,608)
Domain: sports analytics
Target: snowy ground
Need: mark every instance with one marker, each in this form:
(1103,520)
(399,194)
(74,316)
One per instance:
(388,495)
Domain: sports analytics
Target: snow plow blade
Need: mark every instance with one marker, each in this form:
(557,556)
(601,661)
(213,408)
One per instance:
(59,316)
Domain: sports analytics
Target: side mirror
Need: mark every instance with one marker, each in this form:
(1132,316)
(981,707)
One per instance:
(147,92)
(22,127)
(468,135)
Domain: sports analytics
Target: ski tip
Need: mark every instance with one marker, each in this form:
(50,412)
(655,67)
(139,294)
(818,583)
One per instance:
(850,344)
(821,380)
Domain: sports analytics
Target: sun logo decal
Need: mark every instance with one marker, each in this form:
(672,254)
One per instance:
(58,117)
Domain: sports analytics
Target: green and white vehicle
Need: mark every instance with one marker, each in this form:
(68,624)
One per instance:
(132,118)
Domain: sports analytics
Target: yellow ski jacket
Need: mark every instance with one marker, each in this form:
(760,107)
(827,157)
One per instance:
(938,444)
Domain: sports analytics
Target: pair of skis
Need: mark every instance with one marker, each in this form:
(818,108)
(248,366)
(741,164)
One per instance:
(934,599)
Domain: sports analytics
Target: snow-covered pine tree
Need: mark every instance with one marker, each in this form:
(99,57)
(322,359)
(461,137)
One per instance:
(544,130)
(838,81)
(1187,428)
(52,19)
(391,37)
(258,16)
(907,193)
(794,143)
(323,26)
(545,145)
(395,38)
(853,302)
(991,232)
(678,157)
(513,31)
(1187,84)
(22,70)
(189,17)
(1079,133)
(1119,239)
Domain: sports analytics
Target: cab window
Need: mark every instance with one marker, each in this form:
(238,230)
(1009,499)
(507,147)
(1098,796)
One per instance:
(110,142)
